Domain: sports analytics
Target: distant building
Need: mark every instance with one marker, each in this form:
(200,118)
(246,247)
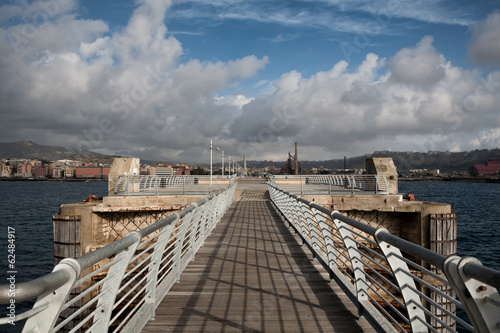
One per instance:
(14,162)
(435,172)
(92,172)
(40,171)
(490,168)
(162,170)
(68,163)
(57,172)
(69,172)
(5,170)
(182,170)
(289,167)
(24,170)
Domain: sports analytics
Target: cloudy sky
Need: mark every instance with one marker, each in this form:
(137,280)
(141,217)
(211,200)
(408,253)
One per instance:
(158,79)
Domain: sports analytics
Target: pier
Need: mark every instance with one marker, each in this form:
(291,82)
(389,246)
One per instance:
(275,254)
(253,276)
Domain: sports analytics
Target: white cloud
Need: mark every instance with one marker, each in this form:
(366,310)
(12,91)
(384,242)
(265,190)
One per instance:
(329,15)
(271,12)
(383,11)
(422,66)
(234,100)
(420,102)
(484,47)
(73,82)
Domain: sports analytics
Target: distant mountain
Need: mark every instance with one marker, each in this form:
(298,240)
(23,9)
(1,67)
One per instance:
(444,161)
(32,150)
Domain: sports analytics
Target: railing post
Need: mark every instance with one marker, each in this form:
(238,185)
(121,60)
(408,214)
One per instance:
(207,219)
(405,283)
(110,288)
(331,250)
(356,261)
(155,266)
(480,301)
(117,185)
(301,186)
(330,256)
(181,236)
(45,320)
(211,216)
(126,185)
(303,232)
(195,223)
(305,223)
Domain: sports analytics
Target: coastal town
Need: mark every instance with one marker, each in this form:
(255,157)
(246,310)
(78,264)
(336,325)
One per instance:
(66,169)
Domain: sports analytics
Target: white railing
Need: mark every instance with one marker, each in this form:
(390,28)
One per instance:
(154,185)
(118,287)
(397,285)
(353,184)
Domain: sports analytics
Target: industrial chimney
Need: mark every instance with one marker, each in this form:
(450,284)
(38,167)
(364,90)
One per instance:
(296,160)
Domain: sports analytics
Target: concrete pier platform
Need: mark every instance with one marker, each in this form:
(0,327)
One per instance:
(253,276)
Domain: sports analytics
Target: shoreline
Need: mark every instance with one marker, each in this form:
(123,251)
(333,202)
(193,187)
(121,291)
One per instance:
(452,179)
(77,180)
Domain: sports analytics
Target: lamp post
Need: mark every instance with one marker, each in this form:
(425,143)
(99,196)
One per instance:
(222,154)
(210,188)
(229,165)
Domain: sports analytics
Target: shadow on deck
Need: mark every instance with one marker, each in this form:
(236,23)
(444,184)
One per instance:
(252,276)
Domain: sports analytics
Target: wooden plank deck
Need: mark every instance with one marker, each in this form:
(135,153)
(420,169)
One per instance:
(252,276)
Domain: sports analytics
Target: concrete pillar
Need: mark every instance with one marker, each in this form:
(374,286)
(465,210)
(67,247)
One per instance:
(122,166)
(384,166)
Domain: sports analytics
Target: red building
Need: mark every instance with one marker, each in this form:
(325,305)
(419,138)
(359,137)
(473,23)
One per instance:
(40,171)
(182,170)
(92,172)
(490,168)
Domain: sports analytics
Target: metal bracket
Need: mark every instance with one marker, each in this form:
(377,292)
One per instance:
(476,297)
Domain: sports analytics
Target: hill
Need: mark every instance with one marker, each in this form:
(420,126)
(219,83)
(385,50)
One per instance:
(446,162)
(31,150)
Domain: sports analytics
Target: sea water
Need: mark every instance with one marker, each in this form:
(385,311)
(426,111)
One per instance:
(27,207)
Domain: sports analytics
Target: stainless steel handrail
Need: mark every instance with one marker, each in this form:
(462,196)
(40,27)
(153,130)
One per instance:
(132,268)
(159,184)
(354,252)
(352,184)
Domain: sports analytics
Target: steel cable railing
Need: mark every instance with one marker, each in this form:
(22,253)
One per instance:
(154,185)
(352,184)
(393,292)
(118,287)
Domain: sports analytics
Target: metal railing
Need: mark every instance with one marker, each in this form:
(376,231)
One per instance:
(332,184)
(118,287)
(154,185)
(397,285)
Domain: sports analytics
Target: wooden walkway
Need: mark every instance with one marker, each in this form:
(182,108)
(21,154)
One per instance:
(252,276)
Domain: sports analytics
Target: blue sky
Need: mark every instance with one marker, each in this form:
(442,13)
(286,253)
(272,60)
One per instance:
(158,79)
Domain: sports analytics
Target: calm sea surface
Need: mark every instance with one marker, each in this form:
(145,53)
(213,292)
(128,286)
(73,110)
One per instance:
(478,215)
(28,207)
